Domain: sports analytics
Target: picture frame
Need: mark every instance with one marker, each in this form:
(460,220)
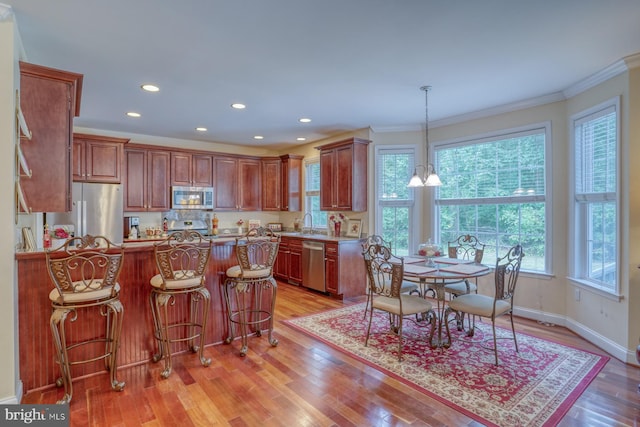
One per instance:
(254,223)
(275,226)
(354,228)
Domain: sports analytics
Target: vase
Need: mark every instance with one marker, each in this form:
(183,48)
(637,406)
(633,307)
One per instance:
(336,228)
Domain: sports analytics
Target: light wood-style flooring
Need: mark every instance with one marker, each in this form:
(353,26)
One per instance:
(303,382)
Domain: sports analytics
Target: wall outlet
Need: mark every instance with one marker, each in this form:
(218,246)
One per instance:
(576,294)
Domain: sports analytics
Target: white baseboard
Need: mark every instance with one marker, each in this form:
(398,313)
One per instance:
(616,350)
(13,400)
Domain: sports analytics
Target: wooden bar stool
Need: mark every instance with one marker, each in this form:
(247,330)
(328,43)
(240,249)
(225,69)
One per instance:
(182,260)
(249,284)
(85,274)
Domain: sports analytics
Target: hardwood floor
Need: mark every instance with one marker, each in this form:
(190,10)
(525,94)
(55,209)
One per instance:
(303,382)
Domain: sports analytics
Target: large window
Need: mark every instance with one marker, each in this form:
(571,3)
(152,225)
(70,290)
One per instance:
(595,149)
(494,188)
(312,195)
(394,213)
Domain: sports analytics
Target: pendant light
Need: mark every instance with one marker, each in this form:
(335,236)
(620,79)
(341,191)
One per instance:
(430,177)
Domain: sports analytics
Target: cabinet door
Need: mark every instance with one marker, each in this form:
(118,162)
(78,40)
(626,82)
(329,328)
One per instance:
(225,172)
(343,188)
(327,180)
(103,160)
(332,268)
(295,262)
(135,180)
(272,185)
(48,102)
(181,169)
(78,164)
(202,170)
(250,190)
(281,268)
(291,183)
(158,183)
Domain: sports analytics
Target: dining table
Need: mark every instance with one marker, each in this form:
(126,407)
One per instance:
(433,275)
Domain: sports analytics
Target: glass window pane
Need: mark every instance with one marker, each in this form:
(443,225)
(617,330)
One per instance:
(395,229)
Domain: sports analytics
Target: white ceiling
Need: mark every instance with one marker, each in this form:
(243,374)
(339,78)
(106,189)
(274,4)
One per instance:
(346,64)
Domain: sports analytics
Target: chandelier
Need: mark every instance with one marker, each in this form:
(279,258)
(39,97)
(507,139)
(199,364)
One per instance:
(430,177)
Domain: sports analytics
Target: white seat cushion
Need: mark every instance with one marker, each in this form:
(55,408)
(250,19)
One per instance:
(460,288)
(480,305)
(235,272)
(183,280)
(90,294)
(410,304)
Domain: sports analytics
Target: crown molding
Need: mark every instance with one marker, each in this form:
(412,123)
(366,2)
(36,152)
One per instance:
(601,76)
(6,13)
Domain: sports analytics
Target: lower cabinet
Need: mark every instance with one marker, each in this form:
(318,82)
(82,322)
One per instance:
(344,271)
(295,261)
(281,267)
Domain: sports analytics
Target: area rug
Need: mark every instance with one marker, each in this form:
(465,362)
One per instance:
(534,387)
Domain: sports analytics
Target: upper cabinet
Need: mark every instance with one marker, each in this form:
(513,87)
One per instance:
(97,158)
(291,173)
(343,175)
(281,183)
(192,170)
(49,100)
(146,180)
(237,183)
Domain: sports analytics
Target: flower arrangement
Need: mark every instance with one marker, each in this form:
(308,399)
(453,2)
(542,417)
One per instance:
(339,217)
(240,222)
(60,233)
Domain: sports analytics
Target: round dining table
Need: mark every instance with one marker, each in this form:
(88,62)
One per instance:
(434,275)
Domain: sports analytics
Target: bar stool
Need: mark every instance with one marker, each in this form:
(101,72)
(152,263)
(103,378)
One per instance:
(249,283)
(84,271)
(182,260)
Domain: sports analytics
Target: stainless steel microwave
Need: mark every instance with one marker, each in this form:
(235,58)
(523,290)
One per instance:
(191,197)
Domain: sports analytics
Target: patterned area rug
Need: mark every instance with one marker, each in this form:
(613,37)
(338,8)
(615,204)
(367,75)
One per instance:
(534,387)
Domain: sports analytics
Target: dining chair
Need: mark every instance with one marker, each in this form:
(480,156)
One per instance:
(84,272)
(250,288)
(465,247)
(507,271)
(385,273)
(182,260)
(406,287)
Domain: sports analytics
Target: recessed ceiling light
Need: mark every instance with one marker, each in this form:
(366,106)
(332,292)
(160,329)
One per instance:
(133,114)
(301,139)
(258,137)
(150,88)
(304,120)
(201,129)
(238,106)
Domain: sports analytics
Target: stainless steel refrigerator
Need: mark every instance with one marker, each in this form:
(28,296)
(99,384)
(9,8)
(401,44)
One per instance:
(97,209)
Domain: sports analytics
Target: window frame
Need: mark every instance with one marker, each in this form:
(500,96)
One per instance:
(312,193)
(414,226)
(579,204)
(533,128)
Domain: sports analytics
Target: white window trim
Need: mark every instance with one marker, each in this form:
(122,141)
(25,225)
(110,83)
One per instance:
(414,213)
(574,241)
(546,126)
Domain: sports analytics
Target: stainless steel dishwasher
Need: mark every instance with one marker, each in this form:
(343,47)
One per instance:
(313,265)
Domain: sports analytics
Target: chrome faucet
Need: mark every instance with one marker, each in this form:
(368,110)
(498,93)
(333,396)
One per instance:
(304,222)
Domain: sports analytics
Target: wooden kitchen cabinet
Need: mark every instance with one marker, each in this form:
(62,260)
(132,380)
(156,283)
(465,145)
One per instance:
(291,173)
(189,169)
(271,184)
(281,267)
(97,158)
(345,275)
(49,100)
(343,175)
(295,261)
(237,183)
(147,184)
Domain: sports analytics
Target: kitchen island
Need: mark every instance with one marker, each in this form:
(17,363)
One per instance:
(36,350)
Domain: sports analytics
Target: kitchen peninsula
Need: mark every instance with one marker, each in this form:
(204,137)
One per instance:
(37,356)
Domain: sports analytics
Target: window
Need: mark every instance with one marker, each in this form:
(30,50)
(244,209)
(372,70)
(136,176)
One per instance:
(494,188)
(395,205)
(595,147)
(312,194)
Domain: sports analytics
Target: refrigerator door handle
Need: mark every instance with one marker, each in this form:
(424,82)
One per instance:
(84,217)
